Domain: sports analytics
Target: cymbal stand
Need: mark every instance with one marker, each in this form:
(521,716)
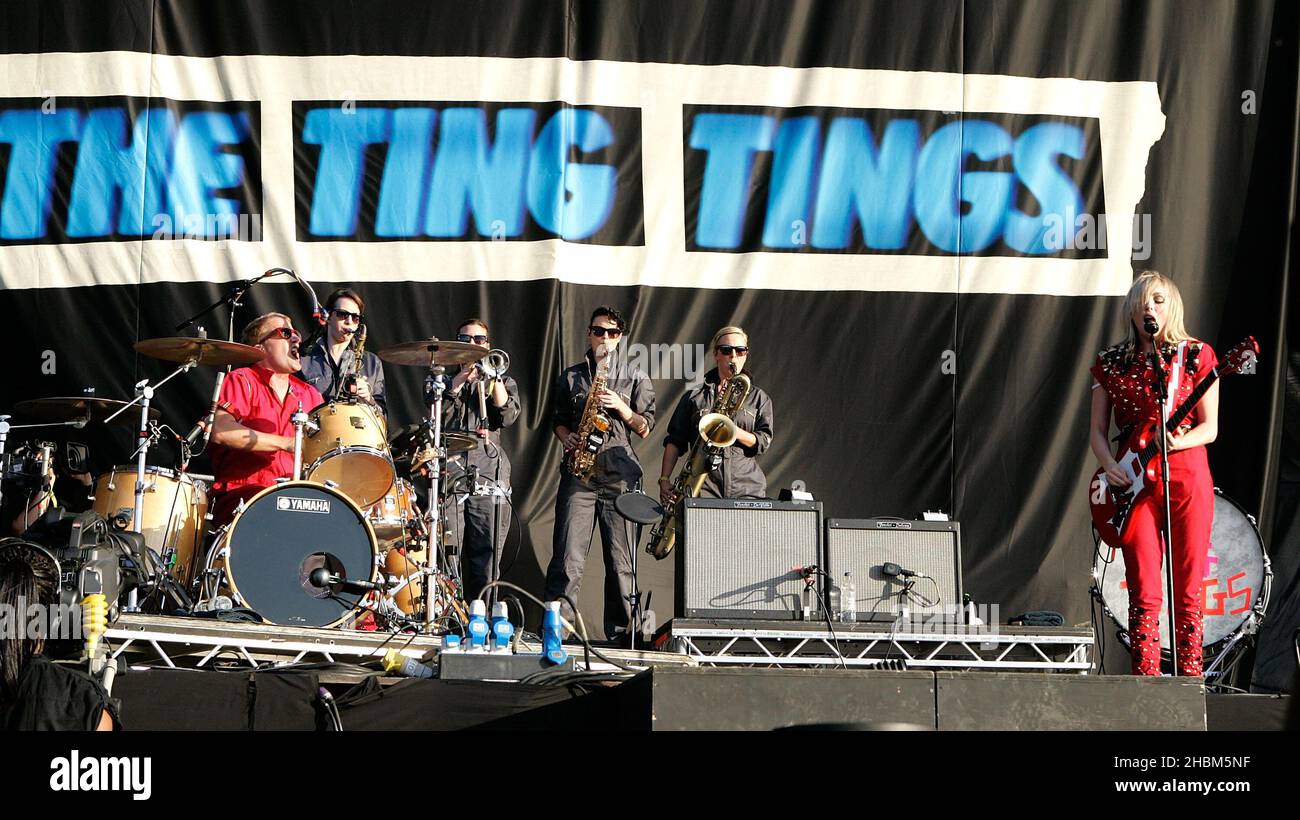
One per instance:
(144,393)
(434,384)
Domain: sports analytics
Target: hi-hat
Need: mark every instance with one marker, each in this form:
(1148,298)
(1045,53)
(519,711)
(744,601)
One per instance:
(427,352)
(212,352)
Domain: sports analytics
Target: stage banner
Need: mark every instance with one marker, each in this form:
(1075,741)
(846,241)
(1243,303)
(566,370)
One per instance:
(924,215)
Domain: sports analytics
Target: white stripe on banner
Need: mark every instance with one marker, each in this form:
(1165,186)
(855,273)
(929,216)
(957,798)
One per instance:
(1129,116)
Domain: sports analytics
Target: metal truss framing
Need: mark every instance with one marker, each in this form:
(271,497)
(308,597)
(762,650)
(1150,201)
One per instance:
(159,640)
(767,643)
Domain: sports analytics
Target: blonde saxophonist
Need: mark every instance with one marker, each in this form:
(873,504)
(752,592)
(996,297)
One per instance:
(738,475)
(628,403)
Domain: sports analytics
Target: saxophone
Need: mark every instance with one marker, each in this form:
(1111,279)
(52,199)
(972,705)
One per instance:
(591,430)
(347,387)
(717,432)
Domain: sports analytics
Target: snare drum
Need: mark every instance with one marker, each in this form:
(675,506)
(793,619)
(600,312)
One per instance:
(172,516)
(1237,580)
(349,450)
(265,559)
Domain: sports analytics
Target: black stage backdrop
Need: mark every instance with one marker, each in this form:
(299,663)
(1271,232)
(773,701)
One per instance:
(916,360)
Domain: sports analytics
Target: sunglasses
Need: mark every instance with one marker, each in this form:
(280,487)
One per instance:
(478,340)
(286,333)
(739,350)
(344,315)
(611,332)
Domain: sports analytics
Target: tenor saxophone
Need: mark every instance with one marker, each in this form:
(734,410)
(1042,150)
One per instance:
(718,431)
(593,427)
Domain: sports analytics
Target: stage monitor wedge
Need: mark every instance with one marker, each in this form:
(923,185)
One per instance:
(738,558)
(864,546)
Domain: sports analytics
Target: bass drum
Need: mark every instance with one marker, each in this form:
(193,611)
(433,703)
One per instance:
(1237,579)
(175,506)
(264,560)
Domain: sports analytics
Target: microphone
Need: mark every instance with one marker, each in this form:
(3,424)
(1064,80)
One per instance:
(1150,326)
(892,570)
(321,578)
(806,572)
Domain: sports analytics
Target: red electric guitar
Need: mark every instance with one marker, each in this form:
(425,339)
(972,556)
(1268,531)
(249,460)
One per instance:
(1137,456)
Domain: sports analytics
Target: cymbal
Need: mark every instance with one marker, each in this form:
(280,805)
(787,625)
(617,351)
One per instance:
(459,442)
(72,408)
(415,440)
(213,352)
(425,352)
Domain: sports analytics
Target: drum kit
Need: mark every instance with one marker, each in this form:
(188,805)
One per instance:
(342,543)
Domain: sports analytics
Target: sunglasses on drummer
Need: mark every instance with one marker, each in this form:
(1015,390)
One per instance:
(343,315)
(286,333)
(739,350)
(612,332)
(465,337)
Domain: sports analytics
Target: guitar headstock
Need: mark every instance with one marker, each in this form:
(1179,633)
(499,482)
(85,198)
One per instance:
(1242,357)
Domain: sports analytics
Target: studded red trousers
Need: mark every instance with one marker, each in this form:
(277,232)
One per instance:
(1191,492)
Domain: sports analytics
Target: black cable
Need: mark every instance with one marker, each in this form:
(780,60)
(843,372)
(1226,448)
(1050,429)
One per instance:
(826,611)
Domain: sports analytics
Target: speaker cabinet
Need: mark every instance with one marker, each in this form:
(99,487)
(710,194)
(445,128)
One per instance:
(738,556)
(864,546)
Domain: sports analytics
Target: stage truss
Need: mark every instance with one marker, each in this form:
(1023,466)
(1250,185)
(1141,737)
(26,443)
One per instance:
(171,642)
(798,644)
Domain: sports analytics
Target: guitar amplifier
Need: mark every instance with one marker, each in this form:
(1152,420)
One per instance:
(864,546)
(738,555)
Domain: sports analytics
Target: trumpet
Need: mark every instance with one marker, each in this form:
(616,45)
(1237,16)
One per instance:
(490,368)
(494,365)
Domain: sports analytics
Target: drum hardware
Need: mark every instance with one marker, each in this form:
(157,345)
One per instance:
(300,421)
(434,354)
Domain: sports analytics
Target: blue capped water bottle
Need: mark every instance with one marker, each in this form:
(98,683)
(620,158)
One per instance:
(552,635)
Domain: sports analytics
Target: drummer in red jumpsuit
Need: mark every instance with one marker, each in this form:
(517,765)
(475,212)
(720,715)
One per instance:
(252,431)
(1126,383)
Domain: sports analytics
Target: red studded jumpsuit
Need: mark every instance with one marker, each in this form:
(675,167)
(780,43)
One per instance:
(1129,381)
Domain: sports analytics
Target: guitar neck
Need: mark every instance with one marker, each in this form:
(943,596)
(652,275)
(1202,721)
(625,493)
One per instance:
(1183,411)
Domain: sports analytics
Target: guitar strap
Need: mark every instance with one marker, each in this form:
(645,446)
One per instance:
(1175,378)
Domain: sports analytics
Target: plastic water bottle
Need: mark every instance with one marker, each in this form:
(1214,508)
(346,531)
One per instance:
(502,629)
(834,601)
(478,626)
(848,599)
(552,635)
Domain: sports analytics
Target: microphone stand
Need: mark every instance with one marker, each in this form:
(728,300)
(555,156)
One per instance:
(1167,532)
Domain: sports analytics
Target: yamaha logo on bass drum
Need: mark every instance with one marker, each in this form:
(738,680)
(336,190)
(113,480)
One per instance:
(309,505)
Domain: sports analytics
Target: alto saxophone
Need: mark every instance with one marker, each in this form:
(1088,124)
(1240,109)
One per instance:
(718,431)
(347,388)
(591,430)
